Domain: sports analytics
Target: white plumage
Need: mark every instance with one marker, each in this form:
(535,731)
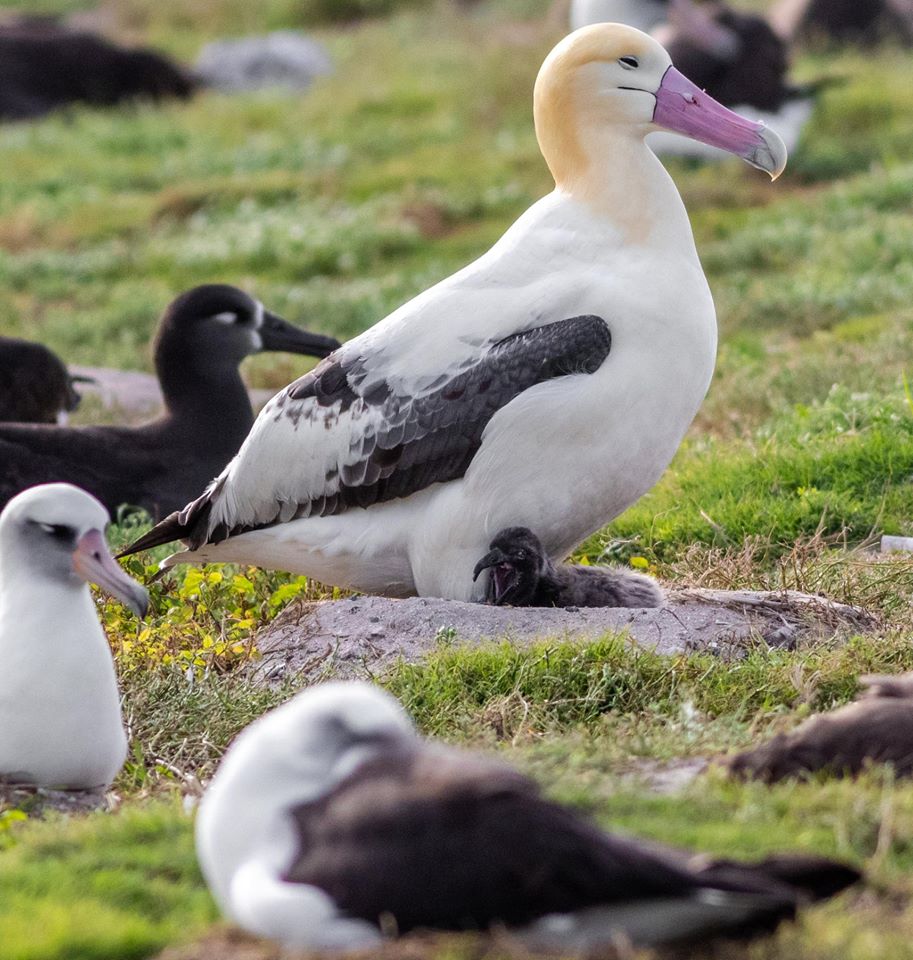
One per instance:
(60,717)
(562,456)
(245,836)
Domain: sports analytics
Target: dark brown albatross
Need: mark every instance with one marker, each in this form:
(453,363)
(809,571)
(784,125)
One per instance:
(330,818)
(202,338)
(35,385)
(876,729)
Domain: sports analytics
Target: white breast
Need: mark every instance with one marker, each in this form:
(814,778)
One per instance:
(60,717)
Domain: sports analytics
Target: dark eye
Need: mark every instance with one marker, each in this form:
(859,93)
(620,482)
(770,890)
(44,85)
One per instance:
(521,554)
(629,63)
(59,531)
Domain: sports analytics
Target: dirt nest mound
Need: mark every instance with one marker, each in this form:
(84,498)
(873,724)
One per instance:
(360,636)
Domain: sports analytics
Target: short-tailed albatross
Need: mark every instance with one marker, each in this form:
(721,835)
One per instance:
(330,819)
(549,383)
(60,719)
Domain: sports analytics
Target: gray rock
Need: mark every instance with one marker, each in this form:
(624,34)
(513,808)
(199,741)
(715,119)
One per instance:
(361,636)
(282,59)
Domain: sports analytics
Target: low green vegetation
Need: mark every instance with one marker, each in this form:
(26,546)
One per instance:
(842,466)
(335,206)
(101,887)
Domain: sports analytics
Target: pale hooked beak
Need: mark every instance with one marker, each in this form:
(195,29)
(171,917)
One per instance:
(93,562)
(682,107)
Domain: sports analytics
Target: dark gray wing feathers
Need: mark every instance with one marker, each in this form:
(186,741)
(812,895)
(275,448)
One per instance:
(432,438)
(428,438)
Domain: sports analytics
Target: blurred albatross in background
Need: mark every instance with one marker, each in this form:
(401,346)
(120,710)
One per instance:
(550,382)
(330,814)
(202,338)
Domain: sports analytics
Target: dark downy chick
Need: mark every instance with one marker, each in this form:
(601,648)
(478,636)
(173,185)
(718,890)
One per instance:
(523,575)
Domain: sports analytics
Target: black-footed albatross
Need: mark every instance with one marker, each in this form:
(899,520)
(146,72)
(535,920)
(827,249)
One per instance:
(875,729)
(201,340)
(35,385)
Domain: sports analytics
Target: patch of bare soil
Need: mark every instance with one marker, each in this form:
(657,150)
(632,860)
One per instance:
(36,801)
(664,777)
(360,636)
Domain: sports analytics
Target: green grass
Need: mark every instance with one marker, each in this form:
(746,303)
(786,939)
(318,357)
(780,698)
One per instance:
(841,466)
(557,685)
(337,205)
(105,886)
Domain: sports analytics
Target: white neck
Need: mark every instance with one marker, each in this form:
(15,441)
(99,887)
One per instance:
(630,187)
(37,613)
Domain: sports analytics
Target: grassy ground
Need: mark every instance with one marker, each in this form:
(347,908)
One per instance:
(337,205)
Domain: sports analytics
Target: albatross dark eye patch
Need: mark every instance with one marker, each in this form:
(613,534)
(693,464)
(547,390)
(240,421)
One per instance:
(632,63)
(59,531)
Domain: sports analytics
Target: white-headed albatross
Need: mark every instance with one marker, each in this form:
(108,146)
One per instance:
(330,818)
(60,718)
(548,384)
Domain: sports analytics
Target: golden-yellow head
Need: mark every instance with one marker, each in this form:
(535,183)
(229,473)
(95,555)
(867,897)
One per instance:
(609,80)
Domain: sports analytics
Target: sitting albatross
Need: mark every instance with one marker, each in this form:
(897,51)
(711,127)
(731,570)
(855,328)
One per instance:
(553,378)
(35,385)
(875,729)
(60,719)
(202,338)
(330,814)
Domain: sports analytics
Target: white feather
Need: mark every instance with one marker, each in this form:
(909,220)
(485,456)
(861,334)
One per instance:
(586,447)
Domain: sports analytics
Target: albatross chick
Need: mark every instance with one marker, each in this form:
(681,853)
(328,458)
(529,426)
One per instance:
(521,574)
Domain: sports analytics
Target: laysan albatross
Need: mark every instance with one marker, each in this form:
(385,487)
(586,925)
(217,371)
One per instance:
(330,819)
(60,717)
(548,384)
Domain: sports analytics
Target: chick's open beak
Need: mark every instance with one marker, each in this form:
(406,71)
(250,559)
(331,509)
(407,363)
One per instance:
(503,575)
(491,559)
(93,562)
